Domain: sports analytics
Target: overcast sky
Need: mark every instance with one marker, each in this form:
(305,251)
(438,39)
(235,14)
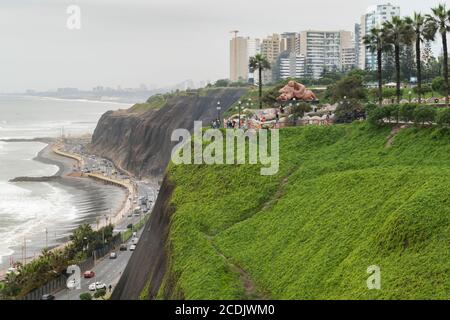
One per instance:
(155,42)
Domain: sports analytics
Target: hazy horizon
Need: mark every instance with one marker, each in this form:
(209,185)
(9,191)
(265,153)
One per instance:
(157,43)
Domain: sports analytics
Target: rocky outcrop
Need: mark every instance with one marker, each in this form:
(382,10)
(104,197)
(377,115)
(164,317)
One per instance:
(140,142)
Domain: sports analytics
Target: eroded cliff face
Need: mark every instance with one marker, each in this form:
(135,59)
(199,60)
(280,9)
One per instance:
(140,142)
(143,276)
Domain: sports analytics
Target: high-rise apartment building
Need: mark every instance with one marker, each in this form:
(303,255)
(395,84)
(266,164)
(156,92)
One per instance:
(323,50)
(241,49)
(290,65)
(357,43)
(290,41)
(238,59)
(374,17)
(270,48)
(348,58)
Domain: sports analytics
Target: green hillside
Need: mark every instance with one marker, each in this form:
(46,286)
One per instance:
(344,199)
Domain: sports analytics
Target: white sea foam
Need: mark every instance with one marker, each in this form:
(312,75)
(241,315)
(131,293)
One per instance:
(27,211)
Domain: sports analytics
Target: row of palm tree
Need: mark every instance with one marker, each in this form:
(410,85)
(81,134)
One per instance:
(400,32)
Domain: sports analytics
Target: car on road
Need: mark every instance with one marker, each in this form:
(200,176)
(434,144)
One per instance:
(132,247)
(135,240)
(113,255)
(97,286)
(48,297)
(89,274)
(123,247)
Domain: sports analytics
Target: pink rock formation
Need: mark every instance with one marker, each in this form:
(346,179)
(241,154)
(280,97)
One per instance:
(296,90)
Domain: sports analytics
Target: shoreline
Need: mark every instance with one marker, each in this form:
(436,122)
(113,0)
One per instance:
(63,176)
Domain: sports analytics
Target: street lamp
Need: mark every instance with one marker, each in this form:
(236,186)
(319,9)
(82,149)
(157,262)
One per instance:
(218,110)
(46,238)
(239,107)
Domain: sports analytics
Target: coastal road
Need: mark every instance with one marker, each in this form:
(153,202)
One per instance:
(106,270)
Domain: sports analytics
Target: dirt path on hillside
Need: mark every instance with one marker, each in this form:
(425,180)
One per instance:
(251,291)
(395,130)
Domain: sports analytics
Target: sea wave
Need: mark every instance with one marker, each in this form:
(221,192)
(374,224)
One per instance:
(27,212)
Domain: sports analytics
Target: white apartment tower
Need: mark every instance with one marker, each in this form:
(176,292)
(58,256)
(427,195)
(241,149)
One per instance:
(323,50)
(291,65)
(374,17)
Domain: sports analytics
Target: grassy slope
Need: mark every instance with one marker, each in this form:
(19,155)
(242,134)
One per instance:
(341,202)
(154,102)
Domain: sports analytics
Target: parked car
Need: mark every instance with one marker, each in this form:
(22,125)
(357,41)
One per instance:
(132,247)
(48,297)
(135,240)
(113,255)
(89,274)
(97,286)
(123,247)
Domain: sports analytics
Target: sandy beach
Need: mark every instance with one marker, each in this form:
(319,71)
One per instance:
(94,199)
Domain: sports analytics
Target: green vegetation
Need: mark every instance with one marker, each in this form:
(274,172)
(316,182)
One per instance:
(346,197)
(85,296)
(51,263)
(154,102)
(261,63)
(419,114)
(400,39)
(100,293)
(131,228)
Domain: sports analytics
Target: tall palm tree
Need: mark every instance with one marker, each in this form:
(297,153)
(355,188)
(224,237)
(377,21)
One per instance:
(417,23)
(397,33)
(375,42)
(439,22)
(261,63)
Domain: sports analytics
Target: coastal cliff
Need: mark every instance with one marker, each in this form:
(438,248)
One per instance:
(308,232)
(138,140)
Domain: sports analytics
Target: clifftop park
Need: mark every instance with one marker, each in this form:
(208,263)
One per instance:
(355,189)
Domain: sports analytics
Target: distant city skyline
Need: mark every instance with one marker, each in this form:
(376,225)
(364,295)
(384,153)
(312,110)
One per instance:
(158,43)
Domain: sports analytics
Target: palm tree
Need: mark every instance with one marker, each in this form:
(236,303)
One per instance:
(439,21)
(397,33)
(417,23)
(261,63)
(375,42)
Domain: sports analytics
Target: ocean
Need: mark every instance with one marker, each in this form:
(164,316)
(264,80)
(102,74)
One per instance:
(35,213)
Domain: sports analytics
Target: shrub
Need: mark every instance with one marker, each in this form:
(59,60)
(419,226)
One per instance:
(424,114)
(392,112)
(299,109)
(425,89)
(369,107)
(377,115)
(85,296)
(99,293)
(406,112)
(438,85)
(349,110)
(443,117)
